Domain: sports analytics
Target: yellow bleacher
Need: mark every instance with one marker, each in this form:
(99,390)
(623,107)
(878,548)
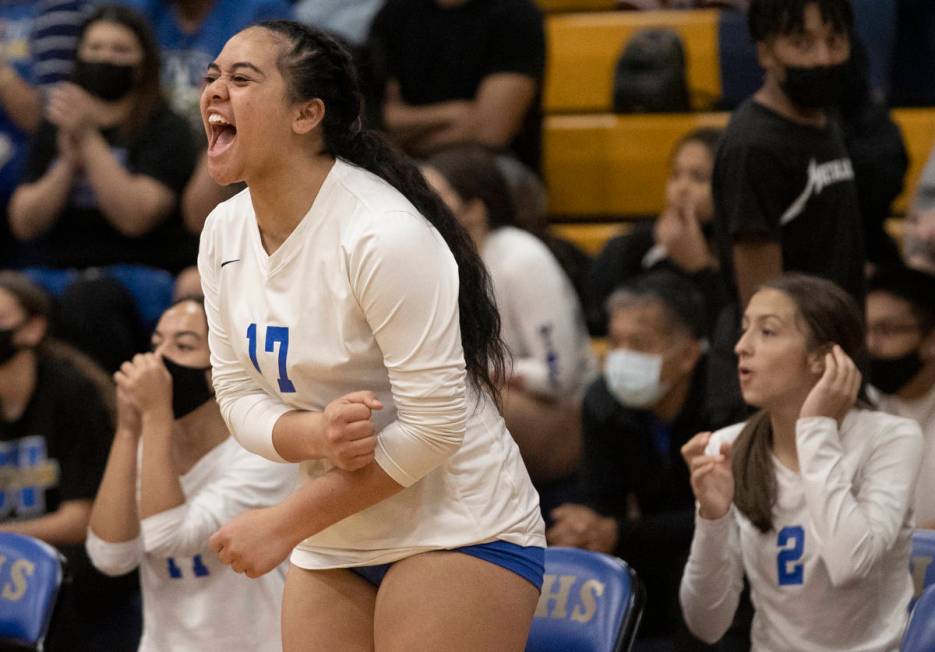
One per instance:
(556,6)
(583,49)
(918,127)
(590,237)
(607,166)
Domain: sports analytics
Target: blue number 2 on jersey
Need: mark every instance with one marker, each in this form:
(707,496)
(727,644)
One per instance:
(274,335)
(791,543)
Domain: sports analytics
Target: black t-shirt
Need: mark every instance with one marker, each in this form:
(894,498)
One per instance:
(439,54)
(794,185)
(55,452)
(82,237)
(57,449)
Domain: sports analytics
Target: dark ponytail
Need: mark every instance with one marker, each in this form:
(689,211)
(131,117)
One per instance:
(315,65)
(827,315)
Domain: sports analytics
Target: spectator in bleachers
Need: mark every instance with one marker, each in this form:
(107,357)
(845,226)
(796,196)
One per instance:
(901,342)
(651,399)
(103,180)
(680,239)
(461,71)
(54,429)
(784,190)
(810,498)
(37,49)
(191,33)
(110,159)
(878,154)
(541,320)
(174,476)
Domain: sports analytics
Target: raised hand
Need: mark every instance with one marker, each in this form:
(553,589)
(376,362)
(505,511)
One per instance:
(836,391)
(712,479)
(71,109)
(679,231)
(146,383)
(349,432)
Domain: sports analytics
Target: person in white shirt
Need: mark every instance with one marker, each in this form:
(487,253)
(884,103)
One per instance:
(811,497)
(173,477)
(542,323)
(352,329)
(901,342)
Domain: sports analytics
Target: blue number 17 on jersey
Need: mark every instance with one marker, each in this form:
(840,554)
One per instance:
(274,335)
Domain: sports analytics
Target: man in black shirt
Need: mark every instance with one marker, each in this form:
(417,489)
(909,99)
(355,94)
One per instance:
(651,399)
(784,190)
(461,71)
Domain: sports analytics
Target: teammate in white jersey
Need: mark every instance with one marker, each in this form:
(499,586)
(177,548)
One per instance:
(353,329)
(175,475)
(811,497)
(542,323)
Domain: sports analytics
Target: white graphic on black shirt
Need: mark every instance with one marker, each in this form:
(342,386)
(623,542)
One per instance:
(819,178)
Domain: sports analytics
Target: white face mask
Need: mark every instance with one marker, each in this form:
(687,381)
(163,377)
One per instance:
(634,378)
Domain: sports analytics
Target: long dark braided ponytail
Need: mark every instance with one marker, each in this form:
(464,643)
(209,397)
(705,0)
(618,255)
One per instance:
(315,65)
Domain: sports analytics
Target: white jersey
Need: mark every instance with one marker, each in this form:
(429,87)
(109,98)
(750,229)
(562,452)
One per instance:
(363,295)
(922,411)
(541,318)
(833,574)
(191,601)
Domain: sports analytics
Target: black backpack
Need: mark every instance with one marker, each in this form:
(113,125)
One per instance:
(650,74)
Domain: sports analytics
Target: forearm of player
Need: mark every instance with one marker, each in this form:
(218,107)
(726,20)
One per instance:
(67,525)
(756,261)
(323,501)
(160,489)
(297,436)
(114,515)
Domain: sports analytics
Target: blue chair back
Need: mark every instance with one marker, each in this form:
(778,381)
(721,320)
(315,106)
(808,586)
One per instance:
(30,577)
(590,602)
(920,633)
(921,563)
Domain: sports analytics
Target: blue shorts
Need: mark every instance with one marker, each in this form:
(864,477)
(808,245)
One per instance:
(526,561)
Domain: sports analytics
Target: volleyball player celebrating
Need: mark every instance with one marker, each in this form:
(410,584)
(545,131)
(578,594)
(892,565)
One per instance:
(811,496)
(352,329)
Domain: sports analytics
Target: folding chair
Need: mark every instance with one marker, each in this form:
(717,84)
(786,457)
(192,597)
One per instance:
(31,573)
(920,633)
(921,562)
(590,602)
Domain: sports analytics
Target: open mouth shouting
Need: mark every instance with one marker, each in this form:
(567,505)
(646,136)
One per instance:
(221,134)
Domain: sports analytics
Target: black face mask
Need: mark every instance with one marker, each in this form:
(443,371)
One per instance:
(190,388)
(815,87)
(889,375)
(7,348)
(108,81)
